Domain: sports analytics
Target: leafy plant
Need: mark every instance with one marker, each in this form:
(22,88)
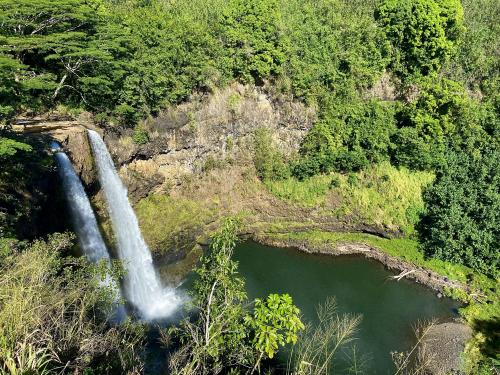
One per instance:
(423,33)
(224,335)
(275,322)
(269,162)
(462,221)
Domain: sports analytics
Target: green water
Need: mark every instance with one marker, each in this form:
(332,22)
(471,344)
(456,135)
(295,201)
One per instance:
(361,286)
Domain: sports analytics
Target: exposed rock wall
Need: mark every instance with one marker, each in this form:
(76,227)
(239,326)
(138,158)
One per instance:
(218,128)
(73,137)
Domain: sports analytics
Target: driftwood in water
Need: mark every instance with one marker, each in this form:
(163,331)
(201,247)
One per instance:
(402,274)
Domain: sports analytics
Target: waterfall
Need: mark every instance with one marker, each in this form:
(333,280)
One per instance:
(85,223)
(141,285)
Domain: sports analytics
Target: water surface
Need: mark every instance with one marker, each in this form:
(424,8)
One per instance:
(389,308)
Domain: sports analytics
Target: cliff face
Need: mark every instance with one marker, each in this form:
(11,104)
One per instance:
(72,135)
(209,139)
(206,132)
(75,143)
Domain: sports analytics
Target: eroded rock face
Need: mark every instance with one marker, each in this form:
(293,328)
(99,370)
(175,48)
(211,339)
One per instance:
(75,142)
(444,345)
(191,137)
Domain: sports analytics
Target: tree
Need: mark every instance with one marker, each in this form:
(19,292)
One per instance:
(223,335)
(336,49)
(51,39)
(9,86)
(9,147)
(440,117)
(423,33)
(217,338)
(253,38)
(462,219)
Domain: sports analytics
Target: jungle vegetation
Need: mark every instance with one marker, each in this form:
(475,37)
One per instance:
(125,60)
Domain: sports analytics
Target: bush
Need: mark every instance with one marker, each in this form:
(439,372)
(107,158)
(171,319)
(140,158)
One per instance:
(253,38)
(477,63)
(423,33)
(225,335)
(348,138)
(269,162)
(462,219)
(336,48)
(140,136)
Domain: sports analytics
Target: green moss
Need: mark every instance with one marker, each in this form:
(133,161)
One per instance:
(171,224)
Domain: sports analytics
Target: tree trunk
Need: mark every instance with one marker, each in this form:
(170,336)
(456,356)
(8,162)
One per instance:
(60,85)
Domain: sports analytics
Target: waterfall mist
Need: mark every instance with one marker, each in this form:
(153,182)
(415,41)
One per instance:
(142,285)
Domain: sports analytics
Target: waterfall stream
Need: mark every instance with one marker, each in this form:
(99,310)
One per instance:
(142,285)
(84,222)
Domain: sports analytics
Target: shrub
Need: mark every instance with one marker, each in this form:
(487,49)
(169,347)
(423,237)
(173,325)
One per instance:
(225,335)
(140,136)
(253,39)
(336,48)
(462,219)
(269,162)
(348,138)
(423,33)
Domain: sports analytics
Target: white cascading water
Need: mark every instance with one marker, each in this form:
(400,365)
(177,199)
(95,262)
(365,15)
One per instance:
(142,285)
(84,222)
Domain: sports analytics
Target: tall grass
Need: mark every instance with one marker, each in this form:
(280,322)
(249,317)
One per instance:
(320,346)
(309,193)
(53,315)
(382,195)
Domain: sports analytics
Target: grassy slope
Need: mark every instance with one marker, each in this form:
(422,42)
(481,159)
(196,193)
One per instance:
(164,220)
(391,198)
(383,196)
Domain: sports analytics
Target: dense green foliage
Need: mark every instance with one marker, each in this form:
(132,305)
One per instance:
(224,334)
(53,315)
(349,138)
(253,39)
(402,89)
(423,33)
(463,216)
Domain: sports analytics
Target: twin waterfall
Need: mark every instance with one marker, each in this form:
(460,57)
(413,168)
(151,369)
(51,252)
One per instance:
(84,222)
(142,288)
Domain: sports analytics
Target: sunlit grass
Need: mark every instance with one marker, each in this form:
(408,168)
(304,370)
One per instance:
(162,219)
(383,195)
(308,193)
